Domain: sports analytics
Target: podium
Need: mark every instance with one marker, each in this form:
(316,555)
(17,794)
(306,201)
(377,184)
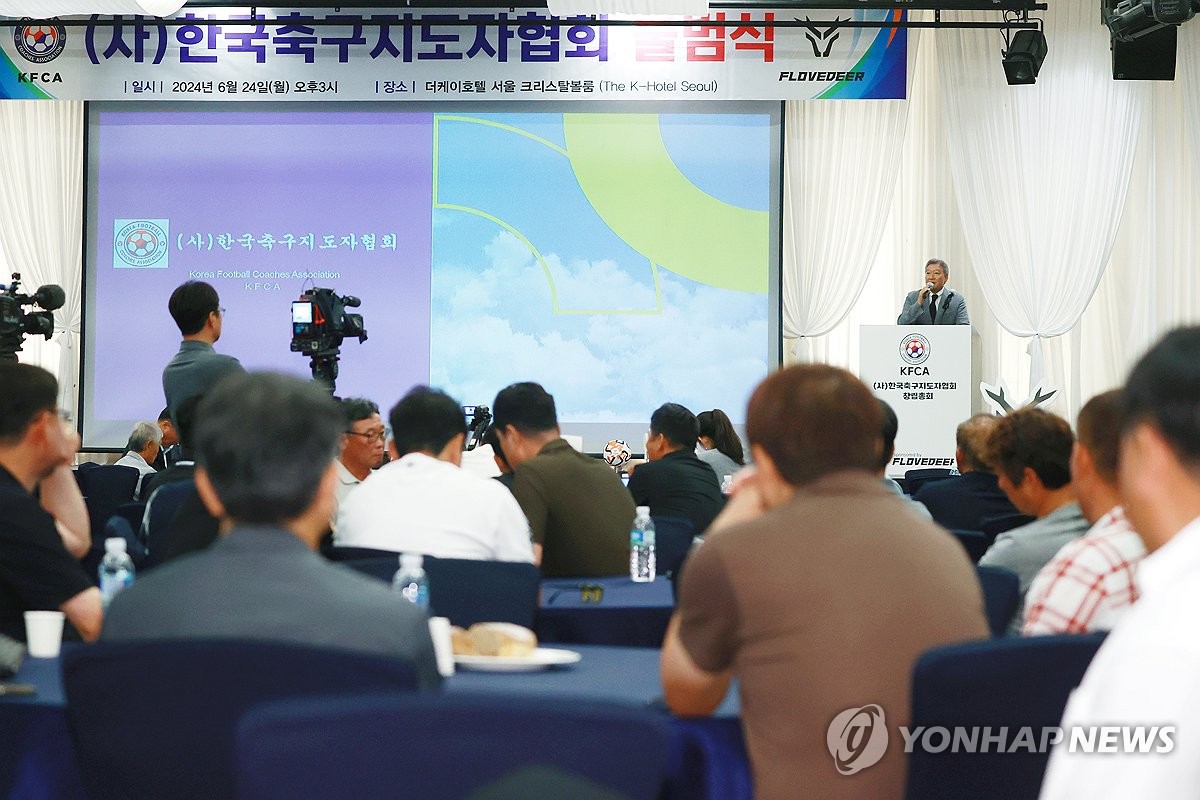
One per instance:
(924,373)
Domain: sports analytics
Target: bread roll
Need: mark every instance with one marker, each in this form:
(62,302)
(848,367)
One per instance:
(460,642)
(502,639)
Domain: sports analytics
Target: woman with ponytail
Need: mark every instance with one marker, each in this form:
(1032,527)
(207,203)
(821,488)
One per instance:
(721,447)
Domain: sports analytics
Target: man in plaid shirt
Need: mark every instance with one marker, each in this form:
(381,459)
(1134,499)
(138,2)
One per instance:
(1090,582)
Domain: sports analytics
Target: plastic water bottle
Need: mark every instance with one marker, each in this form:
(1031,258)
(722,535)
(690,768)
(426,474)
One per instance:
(410,581)
(116,569)
(641,547)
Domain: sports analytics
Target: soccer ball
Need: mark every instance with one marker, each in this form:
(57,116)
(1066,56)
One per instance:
(141,243)
(617,453)
(40,38)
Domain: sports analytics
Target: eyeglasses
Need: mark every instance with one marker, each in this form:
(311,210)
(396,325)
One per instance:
(379,434)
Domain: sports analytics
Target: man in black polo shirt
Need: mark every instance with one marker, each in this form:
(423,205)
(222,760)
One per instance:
(36,448)
(675,483)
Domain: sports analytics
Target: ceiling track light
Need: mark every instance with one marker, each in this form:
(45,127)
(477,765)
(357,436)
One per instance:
(1024,52)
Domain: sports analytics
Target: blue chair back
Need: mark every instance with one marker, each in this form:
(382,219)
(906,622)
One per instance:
(1013,683)
(105,488)
(994,526)
(1001,596)
(467,590)
(162,506)
(672,540)
(975,543)
(448,747)
(157,718)
(341,553)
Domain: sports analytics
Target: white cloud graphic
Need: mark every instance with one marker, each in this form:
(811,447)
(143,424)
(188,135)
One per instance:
(492,326)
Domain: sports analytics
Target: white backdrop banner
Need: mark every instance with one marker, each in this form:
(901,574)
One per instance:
(924,373)
(348,54)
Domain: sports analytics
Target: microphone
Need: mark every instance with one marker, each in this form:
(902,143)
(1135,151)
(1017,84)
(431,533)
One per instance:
(50,297)
(929,286)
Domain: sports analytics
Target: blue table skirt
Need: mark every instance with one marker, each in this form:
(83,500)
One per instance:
(708,760)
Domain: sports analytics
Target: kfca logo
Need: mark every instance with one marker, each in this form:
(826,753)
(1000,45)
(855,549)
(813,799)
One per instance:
(914,349)
(38,41)
(857,738)
(141,243)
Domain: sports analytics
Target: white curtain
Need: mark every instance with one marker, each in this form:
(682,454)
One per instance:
(41,214)
(840,167)
(1040,172)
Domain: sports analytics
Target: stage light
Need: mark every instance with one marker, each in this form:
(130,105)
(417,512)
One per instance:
(1024,56)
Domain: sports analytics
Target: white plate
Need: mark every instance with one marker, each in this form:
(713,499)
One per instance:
(540,658)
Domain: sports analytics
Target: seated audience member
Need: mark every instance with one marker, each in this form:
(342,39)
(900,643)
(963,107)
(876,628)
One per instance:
(423,502)
(673,481)
(891,427)
(196,368)
(1144,674)
(964,503)
(184,467)
(37,572)
(362,446)
(578,510)
(141,449)
(1089,583)
(811,547)
(720,446)
(169,453)
(265,446)
(1030,449)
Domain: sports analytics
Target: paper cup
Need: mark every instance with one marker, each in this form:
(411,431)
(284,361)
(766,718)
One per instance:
(443,647)
(43,633)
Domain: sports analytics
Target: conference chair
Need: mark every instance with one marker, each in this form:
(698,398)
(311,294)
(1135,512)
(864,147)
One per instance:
(1001,596)
(161,508)
(975,543)
(914,479)
(450,747)
(122,524)
(105,488)
(157,718)
(672,540)
(467,590)
(1011,683)
(994,526)
(340,553)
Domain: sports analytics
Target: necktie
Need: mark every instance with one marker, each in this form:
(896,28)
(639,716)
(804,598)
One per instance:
(933,307)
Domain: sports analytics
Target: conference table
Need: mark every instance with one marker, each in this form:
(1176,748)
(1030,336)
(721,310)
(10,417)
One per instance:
(708,760)
(604,611)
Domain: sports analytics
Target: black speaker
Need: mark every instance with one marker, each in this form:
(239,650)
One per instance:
(1148,58)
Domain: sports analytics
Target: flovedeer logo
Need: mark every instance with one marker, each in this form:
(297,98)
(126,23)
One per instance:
(822,37)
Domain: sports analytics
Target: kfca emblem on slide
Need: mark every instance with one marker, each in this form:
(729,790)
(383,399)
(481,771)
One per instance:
(141,243)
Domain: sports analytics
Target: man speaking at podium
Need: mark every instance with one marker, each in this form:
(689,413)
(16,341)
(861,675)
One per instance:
(933,303)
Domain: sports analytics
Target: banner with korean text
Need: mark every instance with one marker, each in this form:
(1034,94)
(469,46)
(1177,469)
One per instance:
(924,373)
(348,54)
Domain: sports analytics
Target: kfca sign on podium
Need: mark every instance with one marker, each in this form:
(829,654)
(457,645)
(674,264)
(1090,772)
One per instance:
(924,373)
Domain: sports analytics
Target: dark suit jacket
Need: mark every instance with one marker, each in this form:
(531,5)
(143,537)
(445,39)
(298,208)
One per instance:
(951,310)
(678,485)
(963,503)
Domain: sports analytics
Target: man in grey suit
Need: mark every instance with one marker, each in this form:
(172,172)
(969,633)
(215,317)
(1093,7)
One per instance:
(265,446)
(933,303)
